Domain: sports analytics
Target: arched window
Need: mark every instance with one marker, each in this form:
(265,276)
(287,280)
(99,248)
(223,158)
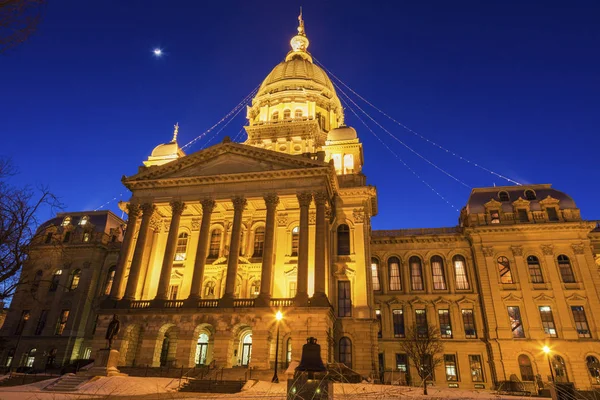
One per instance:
(287,114)
(110,277)
(9,357)
(182,243)
(246,349)
(560,369)
(275,116)
(35,284)
(255,288)
(593,367)
(437,271)
(375,274)
(66,221)
(295,240)
(337,163)
(503,196)
(566,271)
(74,279)
(209,289)
(394,273)
(259,241)
(215,243)
(288,352)
(460,272)
(201,349)
(55,280)
(84,220)
(416,273)
(504,269)
(298,113)
(345,351)
(30,357)
(535,271)
(530,195)
(526,368)
(348,163)
(343,240)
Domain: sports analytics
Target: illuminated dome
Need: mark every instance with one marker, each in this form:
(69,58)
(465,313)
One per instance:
(342,133)
(294,74)
(166,152)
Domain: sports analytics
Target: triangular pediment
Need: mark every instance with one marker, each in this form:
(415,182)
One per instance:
(228,159)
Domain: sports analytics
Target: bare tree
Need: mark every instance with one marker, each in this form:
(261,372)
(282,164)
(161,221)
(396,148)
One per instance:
(424,347)
(19,209)
(18,20)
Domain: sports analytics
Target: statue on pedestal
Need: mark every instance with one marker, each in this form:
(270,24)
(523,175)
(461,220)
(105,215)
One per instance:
(112,330)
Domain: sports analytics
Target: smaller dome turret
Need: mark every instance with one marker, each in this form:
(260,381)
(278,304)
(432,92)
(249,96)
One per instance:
(166,152)
(344,132)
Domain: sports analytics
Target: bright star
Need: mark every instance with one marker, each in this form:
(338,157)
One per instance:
(157,52)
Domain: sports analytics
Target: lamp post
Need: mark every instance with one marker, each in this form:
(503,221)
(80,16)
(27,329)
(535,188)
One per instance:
(278,317)
(24,320)
(546,350)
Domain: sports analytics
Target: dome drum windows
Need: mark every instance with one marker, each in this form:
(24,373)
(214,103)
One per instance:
(275,116)
(287,114)
(503,196)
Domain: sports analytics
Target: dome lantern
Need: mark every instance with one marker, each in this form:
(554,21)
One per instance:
(166,152)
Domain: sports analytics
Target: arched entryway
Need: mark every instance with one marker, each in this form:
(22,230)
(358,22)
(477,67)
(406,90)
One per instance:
(130,345)
(30,358)
(243,351)
(166,346)
(560,369)
(202,346)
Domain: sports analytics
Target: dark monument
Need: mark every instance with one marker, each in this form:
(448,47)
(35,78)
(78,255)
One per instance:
(112,331)
(311,379)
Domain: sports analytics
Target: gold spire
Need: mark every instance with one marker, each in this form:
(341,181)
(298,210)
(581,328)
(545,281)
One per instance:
(300,42)
(175,132)
(301,24)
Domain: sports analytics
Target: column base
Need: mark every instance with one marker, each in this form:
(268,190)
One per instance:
(226,301)
(263,300)
(301,300)
(319,300)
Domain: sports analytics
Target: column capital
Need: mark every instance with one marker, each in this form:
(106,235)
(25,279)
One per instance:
(177,207)
(148,209)
(321,197)
(271,200)
(239,203)
(208,205)
(133,209)
(304,199)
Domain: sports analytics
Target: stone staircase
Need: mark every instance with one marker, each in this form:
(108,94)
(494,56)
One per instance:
(24,379)
(67,383)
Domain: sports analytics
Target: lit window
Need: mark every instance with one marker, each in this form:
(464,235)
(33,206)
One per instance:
(378,317)
(344,299)
(287,114)
(535,271)
(495,216)
(581,324)
(292,289)
(416,273)
(255,288)
(593,368)
(337,163)
(295,240)
(421,323)
(437,270)
(215,243)
(181,250)
(503,196)
(548,321)
(86,237)
(298,113)
(173,290)
(469,324)
(30,358)
(566,271)
(530,194)
(476,368)
(343,240)
(516,324)
(375,274)
(398,320)
(451,370)
(560,369)
(74,279)
(84,220)
(22,321)
(55,280)
(209,289)
(66,221)
(504,269)
(259,241)
(525,368)
(345,352)
(348,164)
(445,325)
(394,273)
(62,322)
(110,277)
(460,271)
(288,352)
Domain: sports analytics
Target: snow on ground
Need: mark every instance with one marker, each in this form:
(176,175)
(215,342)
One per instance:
(127,386)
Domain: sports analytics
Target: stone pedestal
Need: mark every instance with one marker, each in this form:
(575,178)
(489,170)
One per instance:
(105,363)
(305,387)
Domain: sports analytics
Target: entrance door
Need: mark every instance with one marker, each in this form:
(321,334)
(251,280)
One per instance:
(246,349)
(164,352)
(201,349)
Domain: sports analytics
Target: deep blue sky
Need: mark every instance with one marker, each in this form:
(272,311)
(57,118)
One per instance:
(513,85)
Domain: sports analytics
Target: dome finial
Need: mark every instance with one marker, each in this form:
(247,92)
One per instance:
(175,132)
(301,24)
(300,42)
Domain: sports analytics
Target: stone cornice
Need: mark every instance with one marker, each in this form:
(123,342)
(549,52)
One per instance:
(547,226)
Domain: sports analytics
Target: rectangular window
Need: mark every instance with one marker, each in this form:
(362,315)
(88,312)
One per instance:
(86,237)
(523,215)
(416,274)
(398,316)
(292,289)
(451,370)
(439,281)
(548,321)
(344,299)
(395,282)
(535,271)
(378,316)
(494,216)
(421,323)
(460,270)
(469,323)
(552,214)
(375,276)
(476,368)
(173,289)
(62,322)
(41,322)
(445,325)
(24,317)
(402,367)
(516,324)
(215,244)
(581,324)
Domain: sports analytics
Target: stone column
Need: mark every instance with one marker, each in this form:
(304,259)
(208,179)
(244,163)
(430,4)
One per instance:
(304,200)
(320,298)
(239,203)
(138,253)
(177,208)
(208,205)
(266,273)
(115,290)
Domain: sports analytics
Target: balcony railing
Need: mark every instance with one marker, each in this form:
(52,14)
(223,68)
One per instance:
(243,303)
(282,302)
(208,303)
(140,304)
(173,304)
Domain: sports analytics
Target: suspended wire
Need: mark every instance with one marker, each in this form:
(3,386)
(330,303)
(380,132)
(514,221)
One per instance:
(223,127)
(108,202)
(399,158)
(418,134)
(239,134)
(400,141)
(238,107)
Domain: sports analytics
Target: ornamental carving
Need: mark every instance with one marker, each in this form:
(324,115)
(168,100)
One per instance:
(148,209)
(133,210)
(547,249)
(359,215)
(177,207)
(312,218)
(195,224)
(578,248)
(239,203)
(304,199)
(156,223)
(271,200)
(208,205)
(488,251)
(321,197)
(517,250)
(282,219)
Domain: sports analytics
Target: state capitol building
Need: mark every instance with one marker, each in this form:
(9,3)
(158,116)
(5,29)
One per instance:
(217,241)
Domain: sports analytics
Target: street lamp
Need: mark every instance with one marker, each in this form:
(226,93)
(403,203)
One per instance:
(278,317)
(23,321)
(546,350)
